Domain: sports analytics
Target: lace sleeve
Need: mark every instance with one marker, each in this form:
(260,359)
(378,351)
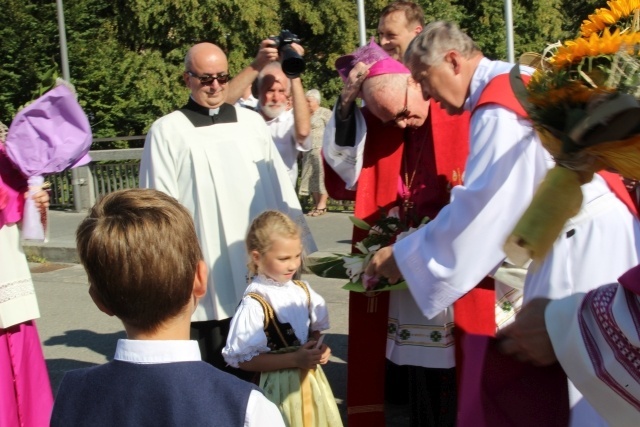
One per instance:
(246,335)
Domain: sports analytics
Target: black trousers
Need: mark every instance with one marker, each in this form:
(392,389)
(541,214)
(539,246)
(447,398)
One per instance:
(212,337)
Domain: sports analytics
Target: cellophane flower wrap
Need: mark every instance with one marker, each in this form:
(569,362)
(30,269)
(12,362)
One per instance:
(584,102)
(50,135)
(388,229)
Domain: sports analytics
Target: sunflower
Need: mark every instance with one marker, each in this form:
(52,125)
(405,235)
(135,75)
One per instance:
(603,18)
(575,51)
(581,87)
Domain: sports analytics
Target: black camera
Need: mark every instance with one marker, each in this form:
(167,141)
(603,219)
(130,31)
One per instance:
(292,63)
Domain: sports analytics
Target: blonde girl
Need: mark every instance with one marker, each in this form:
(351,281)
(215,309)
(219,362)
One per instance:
(277,327)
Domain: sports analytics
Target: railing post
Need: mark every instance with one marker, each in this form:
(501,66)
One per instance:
(86,196)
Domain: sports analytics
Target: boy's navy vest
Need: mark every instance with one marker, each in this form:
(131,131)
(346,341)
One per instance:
(169,394)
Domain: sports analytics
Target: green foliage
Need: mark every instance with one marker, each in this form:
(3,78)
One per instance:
(126,56)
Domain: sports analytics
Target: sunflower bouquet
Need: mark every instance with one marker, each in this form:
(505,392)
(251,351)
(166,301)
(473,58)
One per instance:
(584,102)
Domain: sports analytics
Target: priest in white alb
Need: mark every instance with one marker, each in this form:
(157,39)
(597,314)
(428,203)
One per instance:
(220,162)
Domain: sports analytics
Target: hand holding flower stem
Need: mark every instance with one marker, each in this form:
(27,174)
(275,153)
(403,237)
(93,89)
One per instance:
(384,264)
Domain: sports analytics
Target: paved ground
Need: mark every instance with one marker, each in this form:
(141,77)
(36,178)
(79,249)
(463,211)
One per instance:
(75,334)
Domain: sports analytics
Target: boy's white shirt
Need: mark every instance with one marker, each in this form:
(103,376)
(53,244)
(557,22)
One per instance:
(260,410)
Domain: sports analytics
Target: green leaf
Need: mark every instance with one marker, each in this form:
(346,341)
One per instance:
(357,287)
(359,223)
(331,267)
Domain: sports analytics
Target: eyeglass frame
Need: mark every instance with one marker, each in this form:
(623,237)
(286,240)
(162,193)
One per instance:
(402,115)
(208,79)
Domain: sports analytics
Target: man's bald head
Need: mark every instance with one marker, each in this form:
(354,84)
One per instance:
(199,50)
(206,59)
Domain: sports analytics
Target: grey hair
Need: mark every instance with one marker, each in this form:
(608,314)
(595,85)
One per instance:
(313,93)
(435,40)
(269,69)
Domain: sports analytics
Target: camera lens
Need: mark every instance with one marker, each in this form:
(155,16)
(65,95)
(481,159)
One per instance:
(292,63)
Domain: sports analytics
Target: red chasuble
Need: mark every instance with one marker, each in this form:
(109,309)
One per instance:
(445,155)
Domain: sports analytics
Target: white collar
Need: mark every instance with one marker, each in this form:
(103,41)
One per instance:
(157,351)
(261,278)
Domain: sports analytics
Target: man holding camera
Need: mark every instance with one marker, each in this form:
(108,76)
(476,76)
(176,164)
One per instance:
(278,84)
(220,163)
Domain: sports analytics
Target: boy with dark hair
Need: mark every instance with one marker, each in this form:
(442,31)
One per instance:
(144,264)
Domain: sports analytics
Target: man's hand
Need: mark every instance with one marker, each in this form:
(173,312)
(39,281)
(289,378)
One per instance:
(352,87)
(41,199)
(299,49)
(527,338)
(267,53)
(384,264)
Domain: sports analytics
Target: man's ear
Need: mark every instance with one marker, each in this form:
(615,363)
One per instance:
(185,78)
(417,30)
(454,58)
(98,301)
(200,280)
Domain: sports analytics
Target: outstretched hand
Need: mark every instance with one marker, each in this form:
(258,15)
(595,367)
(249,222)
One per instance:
(384,264)
(527,338)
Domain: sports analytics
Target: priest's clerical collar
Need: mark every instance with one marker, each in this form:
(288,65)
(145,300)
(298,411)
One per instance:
(201,116)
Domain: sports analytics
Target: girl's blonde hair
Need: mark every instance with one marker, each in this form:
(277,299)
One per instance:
(260,235)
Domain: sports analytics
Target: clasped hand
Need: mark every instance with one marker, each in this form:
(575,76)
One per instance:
(41,199)
(308,357)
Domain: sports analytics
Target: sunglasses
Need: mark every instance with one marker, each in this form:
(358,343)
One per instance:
(207,79)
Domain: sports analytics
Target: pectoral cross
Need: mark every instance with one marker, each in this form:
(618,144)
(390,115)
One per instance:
(407,205)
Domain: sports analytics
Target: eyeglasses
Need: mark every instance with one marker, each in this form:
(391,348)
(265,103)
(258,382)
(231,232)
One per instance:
(404,114)
(207,79)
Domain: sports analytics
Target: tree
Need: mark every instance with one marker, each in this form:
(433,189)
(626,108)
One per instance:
(126,56)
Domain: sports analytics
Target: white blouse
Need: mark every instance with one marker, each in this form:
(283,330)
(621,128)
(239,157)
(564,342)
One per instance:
(289,302)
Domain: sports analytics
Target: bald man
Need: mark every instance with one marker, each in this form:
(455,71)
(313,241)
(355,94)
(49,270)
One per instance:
(220,162)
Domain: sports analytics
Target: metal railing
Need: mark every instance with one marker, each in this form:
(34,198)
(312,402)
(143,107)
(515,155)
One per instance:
(112,170)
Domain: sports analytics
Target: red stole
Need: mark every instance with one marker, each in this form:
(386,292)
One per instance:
(378,188)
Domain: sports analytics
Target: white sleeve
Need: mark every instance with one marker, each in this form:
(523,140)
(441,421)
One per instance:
(261,412)
(451,254)
(345,161)
(158,167)
(246,337)
(305,145)
(319,311)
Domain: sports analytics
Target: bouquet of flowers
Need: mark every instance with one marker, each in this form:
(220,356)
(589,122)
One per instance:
(388,229)
(584,102)
(50,135)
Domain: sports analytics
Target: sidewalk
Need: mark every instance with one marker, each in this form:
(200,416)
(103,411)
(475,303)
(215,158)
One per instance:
(75,334)
(332,233)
